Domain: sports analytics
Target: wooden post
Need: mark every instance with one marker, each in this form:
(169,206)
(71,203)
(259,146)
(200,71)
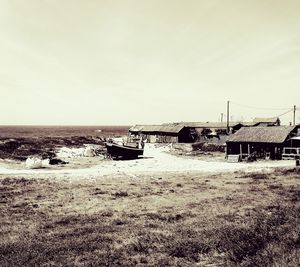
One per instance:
(227,117)
(294,121)
(241,150)
(249,152)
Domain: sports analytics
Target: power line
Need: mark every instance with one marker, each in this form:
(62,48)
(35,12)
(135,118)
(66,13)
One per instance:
(284,113)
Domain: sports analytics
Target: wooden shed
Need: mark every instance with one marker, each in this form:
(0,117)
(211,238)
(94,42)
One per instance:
(165,133)
(263,142)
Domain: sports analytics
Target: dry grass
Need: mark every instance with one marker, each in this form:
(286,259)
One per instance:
(151,220)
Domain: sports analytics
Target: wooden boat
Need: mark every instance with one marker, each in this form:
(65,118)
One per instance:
(117,151)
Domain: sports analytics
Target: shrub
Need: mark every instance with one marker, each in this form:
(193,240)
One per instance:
(249,244)
(256,176)
(189,248)
(120,194)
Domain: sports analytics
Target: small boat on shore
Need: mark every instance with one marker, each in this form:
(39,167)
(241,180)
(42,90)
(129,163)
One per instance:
(125,151)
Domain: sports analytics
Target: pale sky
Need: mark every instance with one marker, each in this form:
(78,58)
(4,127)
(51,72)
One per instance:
(97,62)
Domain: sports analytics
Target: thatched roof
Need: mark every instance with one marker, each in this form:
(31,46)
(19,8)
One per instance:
(165,128)
(271,134)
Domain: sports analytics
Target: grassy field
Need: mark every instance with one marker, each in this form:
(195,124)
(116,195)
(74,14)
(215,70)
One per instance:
(171,219)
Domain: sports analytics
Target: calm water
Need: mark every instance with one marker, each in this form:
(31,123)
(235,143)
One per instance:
(62,131)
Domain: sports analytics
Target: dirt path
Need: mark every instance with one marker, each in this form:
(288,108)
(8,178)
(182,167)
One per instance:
(155,160)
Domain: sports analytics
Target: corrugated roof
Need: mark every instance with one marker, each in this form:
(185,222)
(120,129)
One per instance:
(165,128)
(271,134)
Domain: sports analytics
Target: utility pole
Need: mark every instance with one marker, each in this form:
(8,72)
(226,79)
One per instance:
(294,118)
(227,117)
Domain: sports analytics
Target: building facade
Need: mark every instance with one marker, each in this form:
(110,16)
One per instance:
(262,142)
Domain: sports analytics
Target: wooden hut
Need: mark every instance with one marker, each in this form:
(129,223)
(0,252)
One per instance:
(165,133)
(262,142)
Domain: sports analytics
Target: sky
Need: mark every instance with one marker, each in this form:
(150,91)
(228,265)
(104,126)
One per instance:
(125,62)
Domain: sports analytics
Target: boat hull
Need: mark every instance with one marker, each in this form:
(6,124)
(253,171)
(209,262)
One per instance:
(117,151)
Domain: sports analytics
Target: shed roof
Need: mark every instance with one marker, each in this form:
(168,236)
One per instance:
(217,125)
(165,128)
(266,120)
(249,123)
(271,134)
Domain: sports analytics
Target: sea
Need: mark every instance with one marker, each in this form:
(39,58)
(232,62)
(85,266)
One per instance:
(62,131)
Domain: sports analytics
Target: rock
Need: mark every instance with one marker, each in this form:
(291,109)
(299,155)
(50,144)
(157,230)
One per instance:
(89,152)
(56,161)
(101,157)
(45,163)
(66,152)
(33,163)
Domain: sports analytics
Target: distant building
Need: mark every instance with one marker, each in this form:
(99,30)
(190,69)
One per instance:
(275,121)
(168,133)
(185,132)
(220,127)
(190,132)
(264,142)
(213,132)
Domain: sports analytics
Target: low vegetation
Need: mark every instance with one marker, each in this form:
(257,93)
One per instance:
(154,220)
(44,147)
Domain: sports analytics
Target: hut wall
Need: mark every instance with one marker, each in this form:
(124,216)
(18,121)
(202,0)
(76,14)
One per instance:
(167,139)
(160,138)
(261,150)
